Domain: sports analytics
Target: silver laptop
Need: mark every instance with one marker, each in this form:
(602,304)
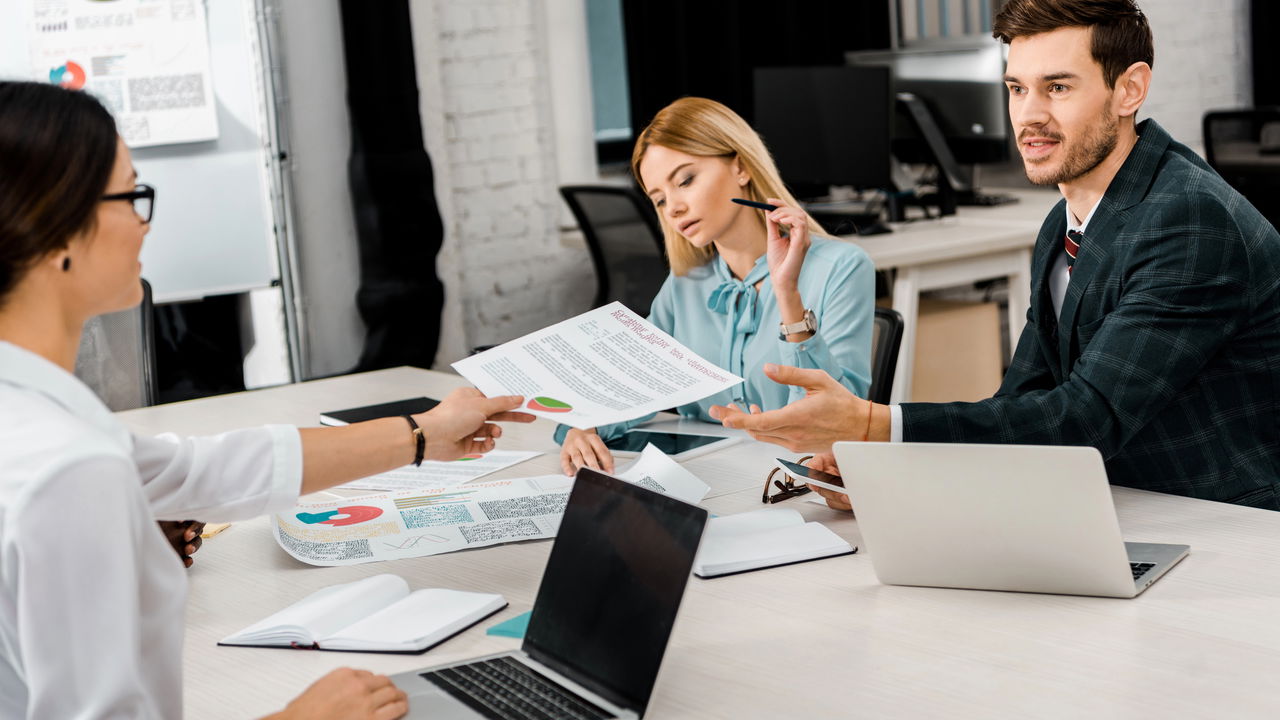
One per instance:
(601,620)
(1025,518)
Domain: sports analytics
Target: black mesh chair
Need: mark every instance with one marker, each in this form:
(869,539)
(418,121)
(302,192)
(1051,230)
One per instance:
(886,338)
(117,358)
(1244,147)
(625,243)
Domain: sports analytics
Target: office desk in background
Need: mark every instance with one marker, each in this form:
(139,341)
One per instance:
(821,639)
(977,243)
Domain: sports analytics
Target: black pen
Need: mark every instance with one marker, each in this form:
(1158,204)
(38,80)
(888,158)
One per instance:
(754,204)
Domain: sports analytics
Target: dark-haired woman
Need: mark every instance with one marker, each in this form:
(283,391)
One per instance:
(91,596)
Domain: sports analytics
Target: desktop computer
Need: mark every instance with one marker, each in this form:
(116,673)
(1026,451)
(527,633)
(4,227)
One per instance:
(953,112)
(828,126)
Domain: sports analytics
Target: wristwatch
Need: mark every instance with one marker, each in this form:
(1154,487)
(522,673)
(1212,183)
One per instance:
(809,324)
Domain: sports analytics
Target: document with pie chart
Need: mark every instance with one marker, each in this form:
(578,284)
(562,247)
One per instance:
(604,366)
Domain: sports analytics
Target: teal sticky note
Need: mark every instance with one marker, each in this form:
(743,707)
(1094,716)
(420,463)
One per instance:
(513,628)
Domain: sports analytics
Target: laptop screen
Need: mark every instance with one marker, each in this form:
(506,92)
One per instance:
(612,586)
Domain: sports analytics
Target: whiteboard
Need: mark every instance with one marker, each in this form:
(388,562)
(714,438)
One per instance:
(213,231)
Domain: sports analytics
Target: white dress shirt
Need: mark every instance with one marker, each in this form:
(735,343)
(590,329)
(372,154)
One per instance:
(1058,278)
(92,594)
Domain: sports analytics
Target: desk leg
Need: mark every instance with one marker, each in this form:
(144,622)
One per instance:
(1019,298)
(906,300)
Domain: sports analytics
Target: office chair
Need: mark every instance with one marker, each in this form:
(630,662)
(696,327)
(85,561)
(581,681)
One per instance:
(1244,147)
(886,338)
(117,356)
(625,243)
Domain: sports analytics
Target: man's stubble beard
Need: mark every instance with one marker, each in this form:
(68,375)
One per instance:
(1085,155)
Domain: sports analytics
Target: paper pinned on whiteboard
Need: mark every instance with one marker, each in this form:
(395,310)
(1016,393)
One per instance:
(604,366)
(147,62)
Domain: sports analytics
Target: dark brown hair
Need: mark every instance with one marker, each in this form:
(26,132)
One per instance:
(1120,33)
(57,150)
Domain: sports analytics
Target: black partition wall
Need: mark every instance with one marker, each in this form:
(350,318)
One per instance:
(710,47)
(398,222)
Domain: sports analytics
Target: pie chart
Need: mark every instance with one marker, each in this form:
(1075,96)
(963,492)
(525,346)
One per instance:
(547,404)
(70,76)
(349,515)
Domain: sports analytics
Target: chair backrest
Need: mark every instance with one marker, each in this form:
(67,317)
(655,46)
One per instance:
(1244,147)
(625,242)
(117,356)
(886,338)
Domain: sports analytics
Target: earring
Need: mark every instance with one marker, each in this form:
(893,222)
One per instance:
(66,264)
(742,181)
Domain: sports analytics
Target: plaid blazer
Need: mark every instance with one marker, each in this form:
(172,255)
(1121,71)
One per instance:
(1166,355)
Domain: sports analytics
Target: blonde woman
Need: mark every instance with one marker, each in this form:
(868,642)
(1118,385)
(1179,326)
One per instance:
(747,287)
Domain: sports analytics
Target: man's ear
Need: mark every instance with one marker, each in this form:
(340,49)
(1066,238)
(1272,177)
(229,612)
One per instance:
(1131,89)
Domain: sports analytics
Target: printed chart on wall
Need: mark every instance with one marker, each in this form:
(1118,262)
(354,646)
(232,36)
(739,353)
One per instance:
(146,60)
(429,521)
(604,366)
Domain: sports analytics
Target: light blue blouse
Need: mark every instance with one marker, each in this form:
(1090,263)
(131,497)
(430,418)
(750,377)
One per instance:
(727,321)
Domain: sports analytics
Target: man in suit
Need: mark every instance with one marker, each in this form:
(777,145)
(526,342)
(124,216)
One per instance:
(1154,328)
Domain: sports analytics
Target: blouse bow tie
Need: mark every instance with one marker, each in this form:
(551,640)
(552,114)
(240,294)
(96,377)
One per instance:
(737,299)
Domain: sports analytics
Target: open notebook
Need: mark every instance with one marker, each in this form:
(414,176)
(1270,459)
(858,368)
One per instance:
(763,538)
(376,614)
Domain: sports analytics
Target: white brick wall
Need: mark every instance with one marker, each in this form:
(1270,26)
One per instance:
(505,263)
(1202,62)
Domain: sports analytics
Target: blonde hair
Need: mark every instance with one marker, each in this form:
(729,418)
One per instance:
(705,128)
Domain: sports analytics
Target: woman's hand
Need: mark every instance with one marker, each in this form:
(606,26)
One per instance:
(786,254)
(184,537)
(347,694)
(584,448)
(464,423)
(826,462)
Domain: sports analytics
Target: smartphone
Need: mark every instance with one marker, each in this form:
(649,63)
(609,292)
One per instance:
(678,445)
(811,476)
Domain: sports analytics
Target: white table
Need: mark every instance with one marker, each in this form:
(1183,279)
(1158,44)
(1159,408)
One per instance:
(972,245)
(820,639)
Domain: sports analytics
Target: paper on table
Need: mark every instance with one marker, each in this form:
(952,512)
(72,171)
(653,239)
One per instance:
(656,470)
(605,366)
(416,523)
(436,474)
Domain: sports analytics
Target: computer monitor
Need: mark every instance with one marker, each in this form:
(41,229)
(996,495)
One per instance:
(952,111)
(826,125)
(962,86)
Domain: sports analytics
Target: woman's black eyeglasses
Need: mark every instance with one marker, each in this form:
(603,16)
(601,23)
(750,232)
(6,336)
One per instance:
(143,198)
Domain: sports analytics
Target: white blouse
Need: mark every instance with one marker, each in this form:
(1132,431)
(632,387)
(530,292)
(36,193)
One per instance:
(91,592)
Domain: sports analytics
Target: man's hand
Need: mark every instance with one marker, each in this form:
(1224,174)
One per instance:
(184,537)
(347,694)
(463,423)
(828,413)
(826,462)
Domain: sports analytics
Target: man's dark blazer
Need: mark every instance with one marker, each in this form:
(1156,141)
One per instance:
(1166,355)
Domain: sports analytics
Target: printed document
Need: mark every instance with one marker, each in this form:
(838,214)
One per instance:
(439,474)
(417,523)
(605,366)
(656,471)
(148,62)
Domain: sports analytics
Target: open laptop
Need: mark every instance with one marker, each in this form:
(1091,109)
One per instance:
(1025,518)
(601,620)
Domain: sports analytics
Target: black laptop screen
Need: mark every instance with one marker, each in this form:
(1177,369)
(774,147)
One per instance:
(612,586)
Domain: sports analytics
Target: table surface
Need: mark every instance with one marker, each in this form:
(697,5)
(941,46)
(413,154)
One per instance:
(971,231)
(820,639)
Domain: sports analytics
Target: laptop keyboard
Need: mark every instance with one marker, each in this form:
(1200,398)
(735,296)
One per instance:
(1140,568)
(502,688)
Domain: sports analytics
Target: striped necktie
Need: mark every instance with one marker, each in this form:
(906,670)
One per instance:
(1071,243)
